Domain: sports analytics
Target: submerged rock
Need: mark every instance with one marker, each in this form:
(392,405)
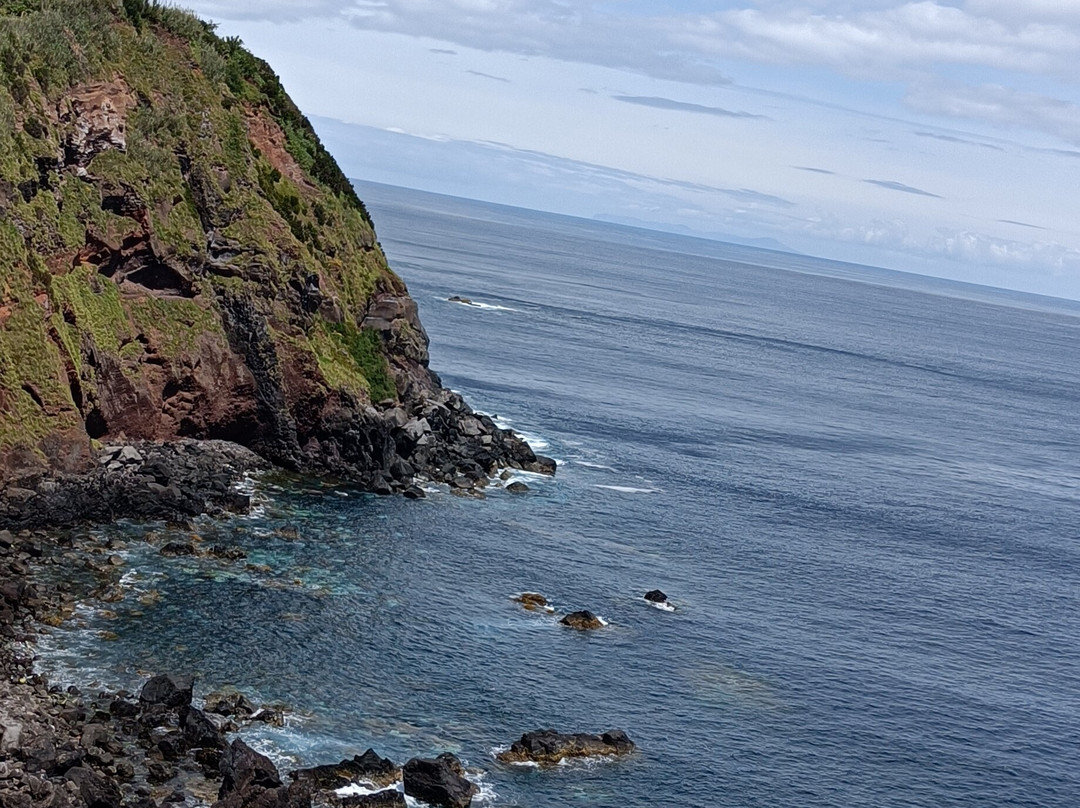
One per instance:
(517,487)
(175,549)
(547,747)
(531,601)
(228,702)
(439,781)
(583,620)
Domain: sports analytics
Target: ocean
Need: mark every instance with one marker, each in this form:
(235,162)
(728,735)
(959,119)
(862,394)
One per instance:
(860,490)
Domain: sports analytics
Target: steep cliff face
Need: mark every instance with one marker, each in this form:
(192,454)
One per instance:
(181,258)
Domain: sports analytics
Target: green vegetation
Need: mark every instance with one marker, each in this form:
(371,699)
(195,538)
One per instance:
(364,346)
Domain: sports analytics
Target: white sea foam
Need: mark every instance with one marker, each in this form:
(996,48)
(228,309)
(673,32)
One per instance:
(589,465)
(536,443)
(487,793)
(364,789)
(626,489)
(664,607)
(476,304)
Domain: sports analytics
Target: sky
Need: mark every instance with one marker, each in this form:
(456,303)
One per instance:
(934,137)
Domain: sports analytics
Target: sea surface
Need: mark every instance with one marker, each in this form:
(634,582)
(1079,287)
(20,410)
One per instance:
(860,489)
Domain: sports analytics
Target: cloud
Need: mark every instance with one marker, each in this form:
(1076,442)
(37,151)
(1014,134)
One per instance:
(892,234)
(979,248)
(508,166)
(1021,224)
(886,41)
(1028,11)
(269,10)
(587,32)
(683,106)
(976,249)
(1004,106)
(892,185)
(489,76)
(871,39)
(814,170)
(445,51)
(954,139)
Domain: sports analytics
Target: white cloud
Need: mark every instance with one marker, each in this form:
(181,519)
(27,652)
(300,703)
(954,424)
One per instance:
(860,38)
(890,40)
(273,10)
(979,248)
(999,105)
(1027,11)
(896,39)
(892,234)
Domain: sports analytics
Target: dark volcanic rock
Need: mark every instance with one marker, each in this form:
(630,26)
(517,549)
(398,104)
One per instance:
(170,481)
(438,781)
(365,768)
(200,732)
(517,488)
(243,769)
(96,790)
(655,596)
(168,691)
(387,798)
(175,549)
(547,747)
(583,620)
(531,601)
(228,703)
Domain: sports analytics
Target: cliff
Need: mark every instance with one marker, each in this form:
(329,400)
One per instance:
(181,258)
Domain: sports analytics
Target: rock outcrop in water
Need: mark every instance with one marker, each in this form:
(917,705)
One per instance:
(439,781)
(368,768)
(547,747)
(181,258)
(583,620)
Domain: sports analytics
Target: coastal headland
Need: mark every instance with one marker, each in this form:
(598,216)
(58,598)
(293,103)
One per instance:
(190,292)
(182,260)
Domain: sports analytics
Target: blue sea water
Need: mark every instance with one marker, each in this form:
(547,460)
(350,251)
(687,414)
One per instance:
(860,489)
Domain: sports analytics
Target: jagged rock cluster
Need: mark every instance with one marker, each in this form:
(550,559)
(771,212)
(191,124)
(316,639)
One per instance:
(547,747)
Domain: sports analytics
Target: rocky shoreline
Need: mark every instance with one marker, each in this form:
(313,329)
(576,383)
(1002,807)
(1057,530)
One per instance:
(164,745)
(443,441)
